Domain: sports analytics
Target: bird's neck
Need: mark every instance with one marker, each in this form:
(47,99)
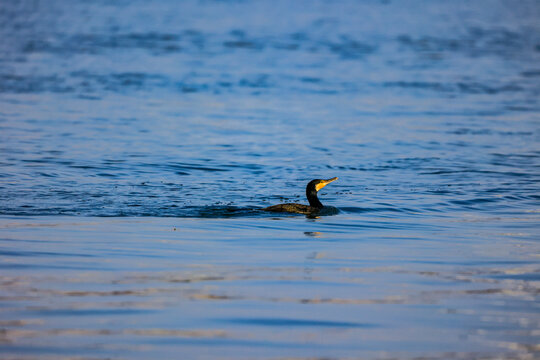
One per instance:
(313,199)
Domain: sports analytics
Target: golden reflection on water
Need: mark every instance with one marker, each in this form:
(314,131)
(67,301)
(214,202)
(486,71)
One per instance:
(186,285)
(13,335)
(316,234)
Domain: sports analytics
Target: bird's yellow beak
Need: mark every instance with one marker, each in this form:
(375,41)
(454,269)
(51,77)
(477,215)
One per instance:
(323,183)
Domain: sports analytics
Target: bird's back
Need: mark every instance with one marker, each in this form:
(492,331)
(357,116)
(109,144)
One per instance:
(293,208)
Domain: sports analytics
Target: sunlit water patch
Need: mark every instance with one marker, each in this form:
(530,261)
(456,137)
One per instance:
(248,288)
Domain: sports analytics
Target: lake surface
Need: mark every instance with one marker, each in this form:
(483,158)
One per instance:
(139,140)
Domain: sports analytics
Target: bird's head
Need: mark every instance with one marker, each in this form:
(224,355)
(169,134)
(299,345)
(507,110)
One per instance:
(313,187)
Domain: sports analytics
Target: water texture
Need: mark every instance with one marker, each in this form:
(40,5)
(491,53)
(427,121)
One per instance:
(140,139)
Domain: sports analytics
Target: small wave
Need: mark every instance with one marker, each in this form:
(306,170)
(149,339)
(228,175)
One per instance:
(390,209)
(287,322)
(475,42)
(457,87)
(137,210)
(474,201)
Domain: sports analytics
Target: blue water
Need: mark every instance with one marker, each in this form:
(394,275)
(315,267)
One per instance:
(139,141)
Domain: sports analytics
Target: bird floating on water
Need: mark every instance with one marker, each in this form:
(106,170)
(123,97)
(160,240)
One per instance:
(315,207)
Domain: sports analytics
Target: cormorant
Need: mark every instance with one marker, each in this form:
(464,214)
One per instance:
(315,207)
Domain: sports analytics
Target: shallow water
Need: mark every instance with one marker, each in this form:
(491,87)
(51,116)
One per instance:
(139,140)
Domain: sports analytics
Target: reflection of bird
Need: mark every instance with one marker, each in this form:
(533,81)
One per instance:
(315,207)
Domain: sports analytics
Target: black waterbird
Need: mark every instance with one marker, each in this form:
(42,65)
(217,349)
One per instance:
(315,207)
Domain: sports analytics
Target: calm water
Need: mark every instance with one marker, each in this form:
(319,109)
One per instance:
(139,139)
